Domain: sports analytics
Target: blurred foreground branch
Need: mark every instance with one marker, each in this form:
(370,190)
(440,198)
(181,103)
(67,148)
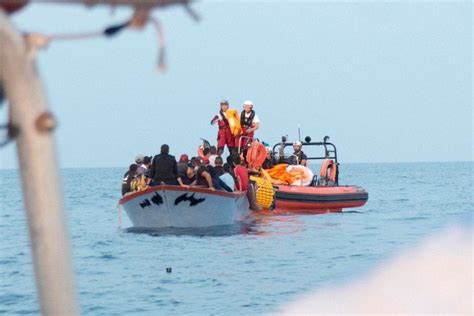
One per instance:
(30,116)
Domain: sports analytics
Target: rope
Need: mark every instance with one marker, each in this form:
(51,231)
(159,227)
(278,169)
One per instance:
(161,63)
(119,207)
(139,20)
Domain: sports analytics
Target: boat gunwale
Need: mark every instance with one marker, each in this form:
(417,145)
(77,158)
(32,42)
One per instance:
(167,187)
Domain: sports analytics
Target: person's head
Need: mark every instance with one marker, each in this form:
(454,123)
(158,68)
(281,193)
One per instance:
(236,160)
(139,159)
(269,152)
(248,106)
(219,161)
(132,169)
(198,162)
(165,149)
(297,146)
(147,160)
(228,159)
(206,151)
(213,150)
(193,161)
(224,105)
(184,158)
(226,168)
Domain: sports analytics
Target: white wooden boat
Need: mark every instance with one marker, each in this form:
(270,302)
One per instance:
(174,206)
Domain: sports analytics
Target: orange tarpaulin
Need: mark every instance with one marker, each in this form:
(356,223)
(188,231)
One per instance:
(280,175)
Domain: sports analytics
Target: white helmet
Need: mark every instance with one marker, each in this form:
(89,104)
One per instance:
(248,102)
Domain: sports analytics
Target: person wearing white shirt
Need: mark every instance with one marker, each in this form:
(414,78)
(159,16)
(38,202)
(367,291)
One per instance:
(249,123)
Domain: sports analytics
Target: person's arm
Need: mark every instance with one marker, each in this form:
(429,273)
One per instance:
(208,178)
(151,175)
(238,182)
(175,172)
(180,181)
(214,119)
(254,128)
(304,160)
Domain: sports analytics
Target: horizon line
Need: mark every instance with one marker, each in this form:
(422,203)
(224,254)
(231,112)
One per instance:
(345,163)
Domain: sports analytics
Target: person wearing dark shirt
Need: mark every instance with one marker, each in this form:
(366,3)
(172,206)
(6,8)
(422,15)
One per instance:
(206,176)
(203,175)
(128,177)
(188,177)
(269,162)
(218,169)
(183,164)
(298,157)
(164,169)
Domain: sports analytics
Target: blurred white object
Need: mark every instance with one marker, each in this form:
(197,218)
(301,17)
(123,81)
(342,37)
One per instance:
(436,277)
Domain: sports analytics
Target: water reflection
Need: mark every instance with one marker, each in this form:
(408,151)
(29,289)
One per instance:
(259,224)
(213,231)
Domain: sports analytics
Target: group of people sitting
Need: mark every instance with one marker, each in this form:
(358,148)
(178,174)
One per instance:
(209,171)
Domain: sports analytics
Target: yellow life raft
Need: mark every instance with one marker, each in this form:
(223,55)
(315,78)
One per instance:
(264,191)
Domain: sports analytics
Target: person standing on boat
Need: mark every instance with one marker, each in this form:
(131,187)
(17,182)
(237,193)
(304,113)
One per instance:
(164,168)
(224,134)
(249,123)
(298,157)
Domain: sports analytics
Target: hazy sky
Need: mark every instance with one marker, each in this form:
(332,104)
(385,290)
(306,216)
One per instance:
(388,81)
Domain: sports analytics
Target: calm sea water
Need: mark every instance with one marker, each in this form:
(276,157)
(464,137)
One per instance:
(241,270)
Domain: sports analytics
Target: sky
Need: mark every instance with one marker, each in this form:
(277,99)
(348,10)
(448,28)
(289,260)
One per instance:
(387,81)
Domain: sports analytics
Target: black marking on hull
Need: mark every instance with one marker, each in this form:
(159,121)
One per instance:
(157,199)
(145,203)
(192,200)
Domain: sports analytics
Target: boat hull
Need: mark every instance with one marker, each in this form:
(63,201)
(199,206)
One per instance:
(319,199)
(173,206)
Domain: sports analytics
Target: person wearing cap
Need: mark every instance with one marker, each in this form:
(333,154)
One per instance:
(249,123)
(298,157)
(224,134)
(143,165)
(139,159)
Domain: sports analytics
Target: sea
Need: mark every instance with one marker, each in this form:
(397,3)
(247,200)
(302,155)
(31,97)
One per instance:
(250,269)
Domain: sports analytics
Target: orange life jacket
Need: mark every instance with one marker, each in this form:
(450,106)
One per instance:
(256,154)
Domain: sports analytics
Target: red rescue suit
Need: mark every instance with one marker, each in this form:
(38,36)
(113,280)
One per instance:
(224,135)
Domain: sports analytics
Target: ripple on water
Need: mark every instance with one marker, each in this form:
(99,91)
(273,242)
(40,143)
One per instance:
(245,269)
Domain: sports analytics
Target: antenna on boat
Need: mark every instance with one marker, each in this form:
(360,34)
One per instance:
(299,132)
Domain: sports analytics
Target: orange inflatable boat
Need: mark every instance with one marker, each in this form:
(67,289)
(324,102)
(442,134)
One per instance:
(323,194)
(318,199)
